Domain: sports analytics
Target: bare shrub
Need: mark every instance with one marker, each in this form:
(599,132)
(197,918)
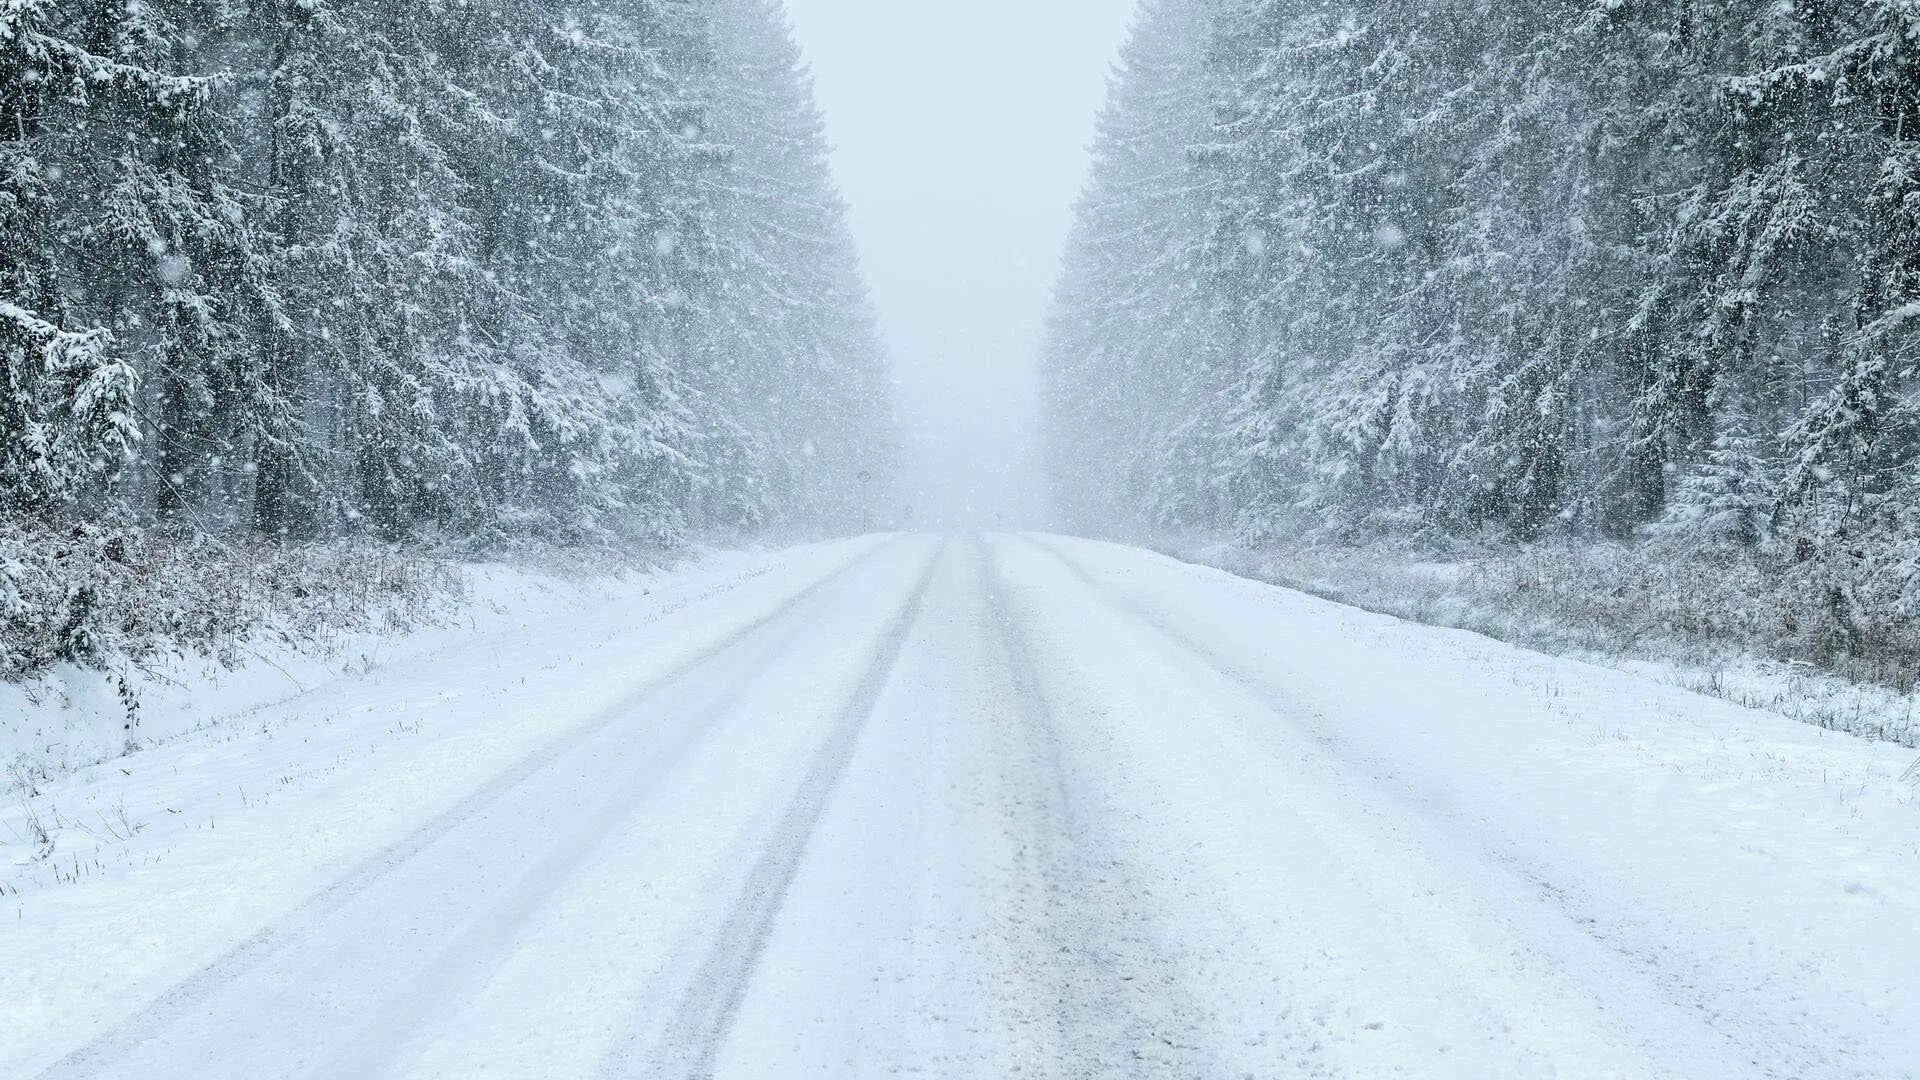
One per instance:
(116,597)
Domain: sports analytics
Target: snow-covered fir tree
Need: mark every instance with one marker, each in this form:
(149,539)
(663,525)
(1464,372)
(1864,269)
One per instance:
(796,353)
(1129,380)
(99,193)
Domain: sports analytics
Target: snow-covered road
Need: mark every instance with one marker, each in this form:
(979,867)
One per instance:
(995,807)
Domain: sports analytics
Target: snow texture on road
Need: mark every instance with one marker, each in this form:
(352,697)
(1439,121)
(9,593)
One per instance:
(990,807)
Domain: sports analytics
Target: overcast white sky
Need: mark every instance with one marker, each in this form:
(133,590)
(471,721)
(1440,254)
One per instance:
(962,132)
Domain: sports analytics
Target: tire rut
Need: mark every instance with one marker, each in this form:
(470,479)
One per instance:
(697,1030)
(1118,1003)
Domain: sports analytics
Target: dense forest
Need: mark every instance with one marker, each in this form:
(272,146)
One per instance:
(278,273)
(1592,268)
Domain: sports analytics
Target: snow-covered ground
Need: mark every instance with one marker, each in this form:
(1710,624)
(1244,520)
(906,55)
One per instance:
(974,807)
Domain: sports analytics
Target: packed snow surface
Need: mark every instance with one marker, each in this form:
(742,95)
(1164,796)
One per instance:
(973,807)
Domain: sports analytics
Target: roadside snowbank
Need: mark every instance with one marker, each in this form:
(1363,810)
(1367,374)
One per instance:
(1592,605)
(76,716)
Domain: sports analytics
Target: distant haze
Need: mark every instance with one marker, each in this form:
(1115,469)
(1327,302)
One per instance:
(962,188)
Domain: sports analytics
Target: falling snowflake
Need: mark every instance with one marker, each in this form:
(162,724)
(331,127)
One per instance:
(173,269)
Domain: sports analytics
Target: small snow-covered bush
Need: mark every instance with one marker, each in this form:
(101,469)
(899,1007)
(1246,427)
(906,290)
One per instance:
(1840,607)
(114,597)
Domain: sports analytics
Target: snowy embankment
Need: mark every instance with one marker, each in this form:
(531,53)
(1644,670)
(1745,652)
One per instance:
(1715,629)
(74,716)
(272,774)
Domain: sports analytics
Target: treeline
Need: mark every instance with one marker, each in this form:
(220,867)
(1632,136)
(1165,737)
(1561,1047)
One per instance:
(1449,267)
(469,271)
(292,290)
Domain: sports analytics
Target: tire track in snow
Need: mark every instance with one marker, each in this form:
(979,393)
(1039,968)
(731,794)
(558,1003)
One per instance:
(1768,1047)
(416,1012)
(699,1027)
(1119,1004)
(185,996)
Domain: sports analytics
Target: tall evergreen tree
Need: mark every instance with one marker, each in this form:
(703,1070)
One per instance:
(1126,354)
(796,352)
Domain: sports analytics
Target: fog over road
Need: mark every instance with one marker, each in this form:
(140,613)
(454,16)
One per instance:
(995,806)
